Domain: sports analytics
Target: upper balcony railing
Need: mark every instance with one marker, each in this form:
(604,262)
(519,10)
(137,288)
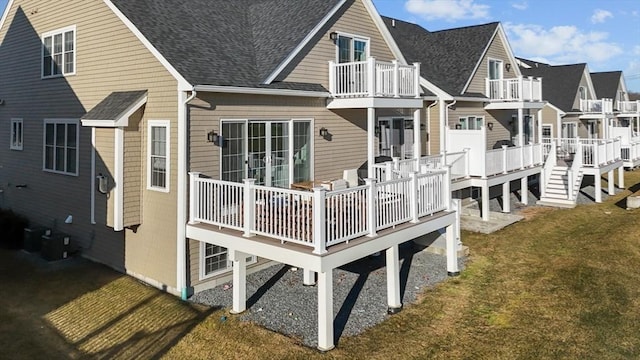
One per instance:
(600,106)
(372,78)
(629,106)
(514,89)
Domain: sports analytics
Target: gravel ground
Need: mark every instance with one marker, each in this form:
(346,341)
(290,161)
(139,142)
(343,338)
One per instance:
(279,301)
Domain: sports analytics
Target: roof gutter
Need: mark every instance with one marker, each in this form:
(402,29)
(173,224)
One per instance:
(260,91)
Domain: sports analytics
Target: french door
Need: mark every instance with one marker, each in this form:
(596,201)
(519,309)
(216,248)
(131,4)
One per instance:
(495,73)
(266,151)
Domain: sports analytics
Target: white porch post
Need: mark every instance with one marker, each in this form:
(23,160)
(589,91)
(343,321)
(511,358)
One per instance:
(417,135)
(539,117)
(506,198)
(393,280)
(610,179)
(521,136)
(239,281)
(308,277)
(325,310)
(524,190)
(621,177)
(249,202)
(371,139)
(598,183)
(452,251)
(559,126)
(485,201)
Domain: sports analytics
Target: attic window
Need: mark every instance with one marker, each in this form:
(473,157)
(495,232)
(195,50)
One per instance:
(352,48)
(59,52)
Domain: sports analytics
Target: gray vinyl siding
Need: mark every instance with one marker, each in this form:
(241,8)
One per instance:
(314,67)
(108,58)
(502,128)
(496,50)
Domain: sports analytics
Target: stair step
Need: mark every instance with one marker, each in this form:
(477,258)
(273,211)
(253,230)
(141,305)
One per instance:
(556,203)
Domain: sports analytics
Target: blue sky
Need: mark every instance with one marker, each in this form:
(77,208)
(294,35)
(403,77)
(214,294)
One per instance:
(603,33)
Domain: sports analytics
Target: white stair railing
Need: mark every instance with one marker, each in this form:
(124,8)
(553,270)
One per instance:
(545,174)
(574,174)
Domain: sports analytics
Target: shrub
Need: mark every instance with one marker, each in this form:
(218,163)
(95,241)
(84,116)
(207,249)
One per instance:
(12,229)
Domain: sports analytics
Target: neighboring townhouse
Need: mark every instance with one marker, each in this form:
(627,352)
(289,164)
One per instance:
(482,114)
(193,142)
(576,132)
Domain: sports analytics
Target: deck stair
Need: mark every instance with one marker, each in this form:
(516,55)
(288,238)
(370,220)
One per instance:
(558,191)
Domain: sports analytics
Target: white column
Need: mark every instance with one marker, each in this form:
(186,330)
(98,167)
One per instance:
(394,301)
(506,198)
(452,251)
(417,135)
(325,310)
(239,281)
(610,182)
(621,177)
(442,107)
(485,202)
(559,126)
(371,140)
(539,118)
(308,277)
(598,183)
(520,127)
(524,190)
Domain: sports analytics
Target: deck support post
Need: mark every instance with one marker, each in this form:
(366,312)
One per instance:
(325,310)
(239,281)
(393,280)
(524,190)
(506,198)
(452,251)
(485,202)
(610,182)
(598,184)
(308,277)
(621,177)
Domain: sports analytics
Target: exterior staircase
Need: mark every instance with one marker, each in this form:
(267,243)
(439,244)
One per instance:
(558,192)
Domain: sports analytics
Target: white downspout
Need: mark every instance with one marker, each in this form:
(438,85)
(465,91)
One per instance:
(429,124)
(181,266)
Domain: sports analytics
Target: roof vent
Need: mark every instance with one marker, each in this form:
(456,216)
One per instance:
(393,22)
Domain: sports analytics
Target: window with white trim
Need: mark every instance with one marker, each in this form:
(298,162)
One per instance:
(351,48)
(215,260)
(16,134)
(471,122)
(158,155)
(61,138)
(59,52)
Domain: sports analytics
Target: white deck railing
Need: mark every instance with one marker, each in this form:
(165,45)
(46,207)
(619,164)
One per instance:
(514,89)
(372,78)
(600,106)
(320,218)
(629,106)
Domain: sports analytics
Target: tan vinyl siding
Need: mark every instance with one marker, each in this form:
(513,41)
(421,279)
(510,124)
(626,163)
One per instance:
(108,58)
(500,119)
(105,139)
(583,83)
(550,117)
(433,126)
(496,50)
(314,67)
(133,171)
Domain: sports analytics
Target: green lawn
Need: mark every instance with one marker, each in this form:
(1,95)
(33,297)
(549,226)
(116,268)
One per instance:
(562,284)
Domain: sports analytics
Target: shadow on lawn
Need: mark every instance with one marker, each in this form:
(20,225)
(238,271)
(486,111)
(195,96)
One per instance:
(622,203)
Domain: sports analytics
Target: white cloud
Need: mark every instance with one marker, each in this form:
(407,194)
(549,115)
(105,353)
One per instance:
(600,16)
(450,10)
(561,44)
(636,50)
(522,5)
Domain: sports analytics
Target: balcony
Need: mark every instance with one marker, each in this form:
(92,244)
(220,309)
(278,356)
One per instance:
(629,107)
(514,90)
(317,219)
(353,82)
(599,107)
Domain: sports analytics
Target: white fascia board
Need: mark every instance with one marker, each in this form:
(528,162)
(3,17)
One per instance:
(441,94)
(484,53)
(587,75)
(623,83)
(260,91)
(386,34)
(121,120)
(5,13)
(303,43)
(471,99)
(183,84)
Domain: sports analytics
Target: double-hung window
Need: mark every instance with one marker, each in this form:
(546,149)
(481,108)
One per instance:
(471,122)
(215,260)
(59,52)
(158,155)
(16,134)
(61,146)
(352,49)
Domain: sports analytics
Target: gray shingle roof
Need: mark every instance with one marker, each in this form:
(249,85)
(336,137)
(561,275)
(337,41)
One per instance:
(222,42)
(606,83)
(113,106)
(560,83)
(448,57)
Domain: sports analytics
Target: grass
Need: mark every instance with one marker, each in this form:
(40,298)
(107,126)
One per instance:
(563,284)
